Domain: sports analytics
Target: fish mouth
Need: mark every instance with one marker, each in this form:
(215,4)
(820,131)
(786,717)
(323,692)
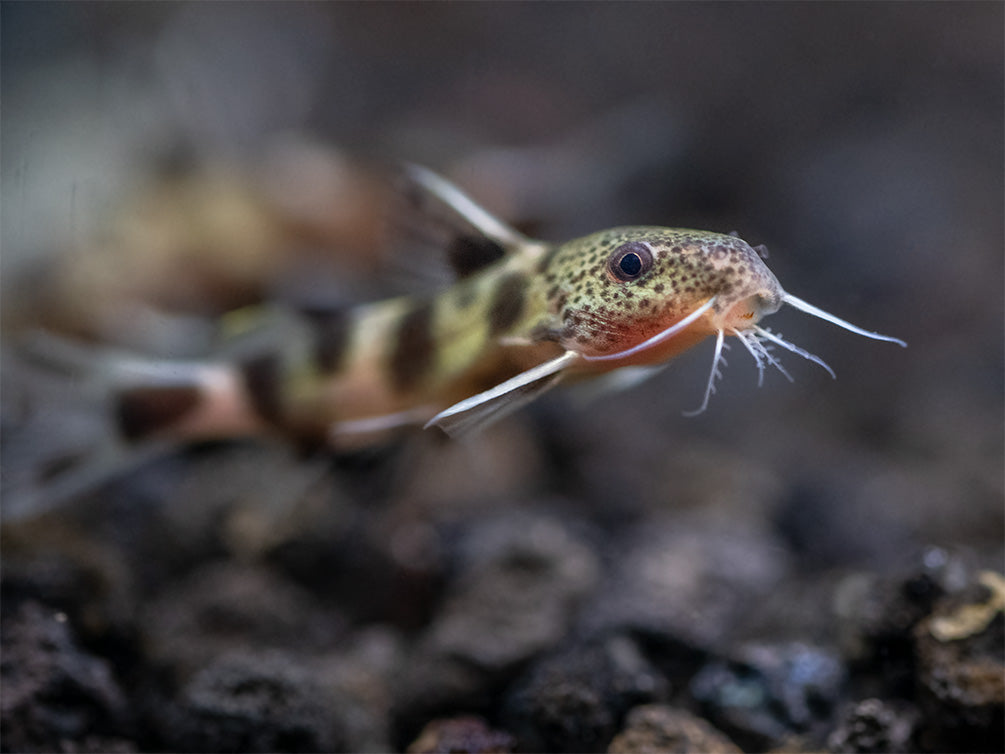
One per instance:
(748,311)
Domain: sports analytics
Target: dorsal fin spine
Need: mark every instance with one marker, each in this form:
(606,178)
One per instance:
(465,207)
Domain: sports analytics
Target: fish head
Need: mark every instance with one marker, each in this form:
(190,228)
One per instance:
(615,291)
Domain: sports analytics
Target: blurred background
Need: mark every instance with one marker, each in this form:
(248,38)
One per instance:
(164,163)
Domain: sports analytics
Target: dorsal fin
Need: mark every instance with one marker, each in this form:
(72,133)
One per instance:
(443,216)
(466,212)
(467,255)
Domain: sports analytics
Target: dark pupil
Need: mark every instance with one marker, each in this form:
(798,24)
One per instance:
(631,264)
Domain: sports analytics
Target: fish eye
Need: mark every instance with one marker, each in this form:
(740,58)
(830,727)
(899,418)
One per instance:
(630,261)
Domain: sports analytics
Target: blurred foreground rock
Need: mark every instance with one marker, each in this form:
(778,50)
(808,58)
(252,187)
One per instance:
(654,728)
(461,735)
(56,695)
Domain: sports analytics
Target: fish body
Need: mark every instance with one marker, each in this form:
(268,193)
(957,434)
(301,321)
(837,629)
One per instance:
(523,316)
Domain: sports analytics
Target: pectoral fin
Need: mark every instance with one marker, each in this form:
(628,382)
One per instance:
(621,379)
(482,409)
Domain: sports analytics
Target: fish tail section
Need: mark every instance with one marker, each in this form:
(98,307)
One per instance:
(143,411)
(194,401)
(161,397)
(76,416)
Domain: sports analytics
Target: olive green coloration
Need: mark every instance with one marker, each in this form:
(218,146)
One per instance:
(523,316)
(689,267)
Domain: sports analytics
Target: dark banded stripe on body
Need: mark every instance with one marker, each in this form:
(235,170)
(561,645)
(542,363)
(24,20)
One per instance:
(413,349)
(262,377)
(507,303)
(470,254)
(331,329)
(144,411)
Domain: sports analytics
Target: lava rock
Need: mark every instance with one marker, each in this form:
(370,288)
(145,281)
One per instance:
(56,563)
(769,692)
(284,696)
(667,565)
(521,579)
(875,727)
(251,703)
(574,701)
(659,729)
(461,735)
(227,605)
(358,679)
(875,617)
(827,526)
(56,696)
(524,578)
(430,685)
(961,667)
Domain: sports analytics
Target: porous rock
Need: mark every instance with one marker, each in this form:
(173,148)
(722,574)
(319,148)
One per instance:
(875,617)
(461,735)
(251,703)
(526,577)
(961,668)
(660,729)
(223,606)
(520,580)
(59,564)
(766,693)
(358,680)
(873,726)
(574,700)
(56,696)
(662,567)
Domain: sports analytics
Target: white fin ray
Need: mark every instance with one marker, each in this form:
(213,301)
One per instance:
(482,409)
(715,374)
(465,207)
(108,461)
(807,307)
(616,381)
(377,424)
(765,333)
(106,369)
(61,444)
(659,337)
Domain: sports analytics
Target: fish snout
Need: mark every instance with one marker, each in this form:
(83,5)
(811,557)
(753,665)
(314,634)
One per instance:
(749,310)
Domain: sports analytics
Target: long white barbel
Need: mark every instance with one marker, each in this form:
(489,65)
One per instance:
(658,337)
(807,307)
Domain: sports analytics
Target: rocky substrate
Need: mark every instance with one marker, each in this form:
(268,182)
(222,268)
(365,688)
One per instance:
(343,612)
(812,566)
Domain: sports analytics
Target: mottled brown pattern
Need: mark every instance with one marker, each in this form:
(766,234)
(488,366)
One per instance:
(414,348)
(507,303)
(545,261)
(144,411)
(688,267)
(465,295)
(262,377)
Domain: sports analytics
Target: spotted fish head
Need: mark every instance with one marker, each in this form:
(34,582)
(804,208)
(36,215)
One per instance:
(614,290)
